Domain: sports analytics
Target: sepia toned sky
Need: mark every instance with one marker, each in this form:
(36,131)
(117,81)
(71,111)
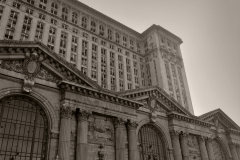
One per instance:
(210,31)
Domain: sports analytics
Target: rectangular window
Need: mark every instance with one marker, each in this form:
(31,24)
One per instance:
(119,50)
(94,61)
(94,39)
(75,30)
(103,67)
(63,44)
(64,26)
(39,31)
(53,21)
(26,28)
(121,85)
(84,56)
(3,1)
(51,38)
(43,4)
(16,5)
(74,46)
(1,11)
(129,86)
(11,25)
(29,11)
(42,16)
(84,48)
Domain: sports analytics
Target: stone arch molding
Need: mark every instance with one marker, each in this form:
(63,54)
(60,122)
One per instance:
(160,127)
(224,145)
(47,107)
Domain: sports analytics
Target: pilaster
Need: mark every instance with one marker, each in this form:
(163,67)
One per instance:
(184,146)
(233,150)
(210,149)
(132,140)
(203,148)
(176,145)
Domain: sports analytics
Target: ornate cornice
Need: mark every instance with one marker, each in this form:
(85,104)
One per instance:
(65,111)
(189,120)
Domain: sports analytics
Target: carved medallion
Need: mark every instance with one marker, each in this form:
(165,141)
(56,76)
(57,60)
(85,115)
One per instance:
(31,67)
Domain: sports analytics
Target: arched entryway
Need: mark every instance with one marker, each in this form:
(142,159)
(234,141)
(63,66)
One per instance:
(151,143)
(23,129)
(219,153)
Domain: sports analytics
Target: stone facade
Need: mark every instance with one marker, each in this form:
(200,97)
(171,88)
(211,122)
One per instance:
(80,120)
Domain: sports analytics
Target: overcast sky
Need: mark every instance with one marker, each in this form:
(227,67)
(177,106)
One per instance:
(210,30)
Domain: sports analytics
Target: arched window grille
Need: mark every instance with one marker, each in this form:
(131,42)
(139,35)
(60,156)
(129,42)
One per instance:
(23,129)
(151,143)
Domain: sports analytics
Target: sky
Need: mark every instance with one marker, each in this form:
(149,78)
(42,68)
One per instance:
(210,30)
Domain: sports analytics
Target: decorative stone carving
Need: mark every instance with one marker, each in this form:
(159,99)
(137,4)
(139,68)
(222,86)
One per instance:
(132,125)
(65,111)
(193,147)
(83,115)
(119,122)
(174,134)
(101,154)
(101,132)
(28,83)
(201,138)
(45,75)
(16,66)
(184,136)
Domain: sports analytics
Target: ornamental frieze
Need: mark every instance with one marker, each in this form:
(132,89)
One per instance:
(101,132)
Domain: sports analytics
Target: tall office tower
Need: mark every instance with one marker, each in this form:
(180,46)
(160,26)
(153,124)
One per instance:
(110,53)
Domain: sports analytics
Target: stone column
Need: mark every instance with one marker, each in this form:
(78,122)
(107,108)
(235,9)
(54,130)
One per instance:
(176,145)
(184,146)
(82,132)
(233,151)
(119,124)
(132,140)
(210,149)
(65,132)
(203,148)
(238,150)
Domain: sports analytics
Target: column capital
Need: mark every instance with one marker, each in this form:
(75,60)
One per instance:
(132,125)
(119,122)
(65,111)
(232,145)
(209,140)
(184,135)
(83,115)
(174,134)
(201,138)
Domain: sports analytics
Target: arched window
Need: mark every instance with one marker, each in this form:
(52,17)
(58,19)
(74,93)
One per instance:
(64,13)
(54,8)
(84,22)
(24,129)
(151,143)
(101,30)
(93,26)
(124,41)
(74,18)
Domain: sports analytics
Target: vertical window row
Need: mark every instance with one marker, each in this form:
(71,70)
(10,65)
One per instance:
(112,71)
(1,11)
(84,22)
(103,68)
(26,28)
(182,86)
(170,86)
(65,13)
(124,41)
(39,31)
(131,44)
(63,45)
(84,56)
(175,81)
(121,77)
(12,21)
(135,64)
(129,75)
(74,47)
(142,74)
(51,38)
(148,71)
(74,18)
(117,37)
(138,47)
(110,34)
(101,30)
(43,4)
(94,61)
(54,8)
(93,26)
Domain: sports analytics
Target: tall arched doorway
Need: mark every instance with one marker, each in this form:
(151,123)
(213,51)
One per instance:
(151,143)
(218,151)
(23,129)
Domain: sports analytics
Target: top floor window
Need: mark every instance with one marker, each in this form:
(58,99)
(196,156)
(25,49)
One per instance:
(124,41)
(43,4)
(101,30)
(64,13)
(74,18)
(54,8)
(31,2)
(117,35)
(93,26)
(109,34)
(84,22)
